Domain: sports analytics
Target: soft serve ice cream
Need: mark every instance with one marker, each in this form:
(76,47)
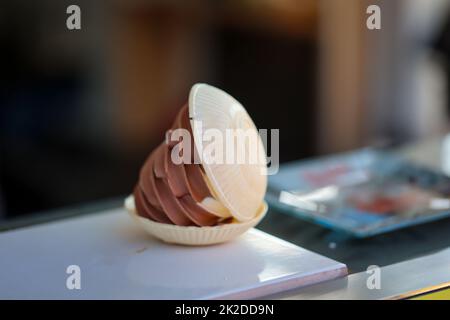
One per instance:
(198,202)
(176,193)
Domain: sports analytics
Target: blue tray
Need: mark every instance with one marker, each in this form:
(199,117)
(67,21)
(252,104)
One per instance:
(362,193)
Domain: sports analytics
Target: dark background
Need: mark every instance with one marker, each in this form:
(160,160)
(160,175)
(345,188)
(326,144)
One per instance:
(81,109)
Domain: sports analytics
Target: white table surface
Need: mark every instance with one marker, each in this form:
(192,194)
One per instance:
(119,261)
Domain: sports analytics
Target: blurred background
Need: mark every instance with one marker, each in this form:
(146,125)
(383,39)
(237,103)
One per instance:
(81,109)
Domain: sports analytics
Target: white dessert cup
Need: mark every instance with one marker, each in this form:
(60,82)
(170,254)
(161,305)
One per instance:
(192,235)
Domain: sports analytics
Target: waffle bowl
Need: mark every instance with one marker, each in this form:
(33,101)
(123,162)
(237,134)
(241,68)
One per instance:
(239,187)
